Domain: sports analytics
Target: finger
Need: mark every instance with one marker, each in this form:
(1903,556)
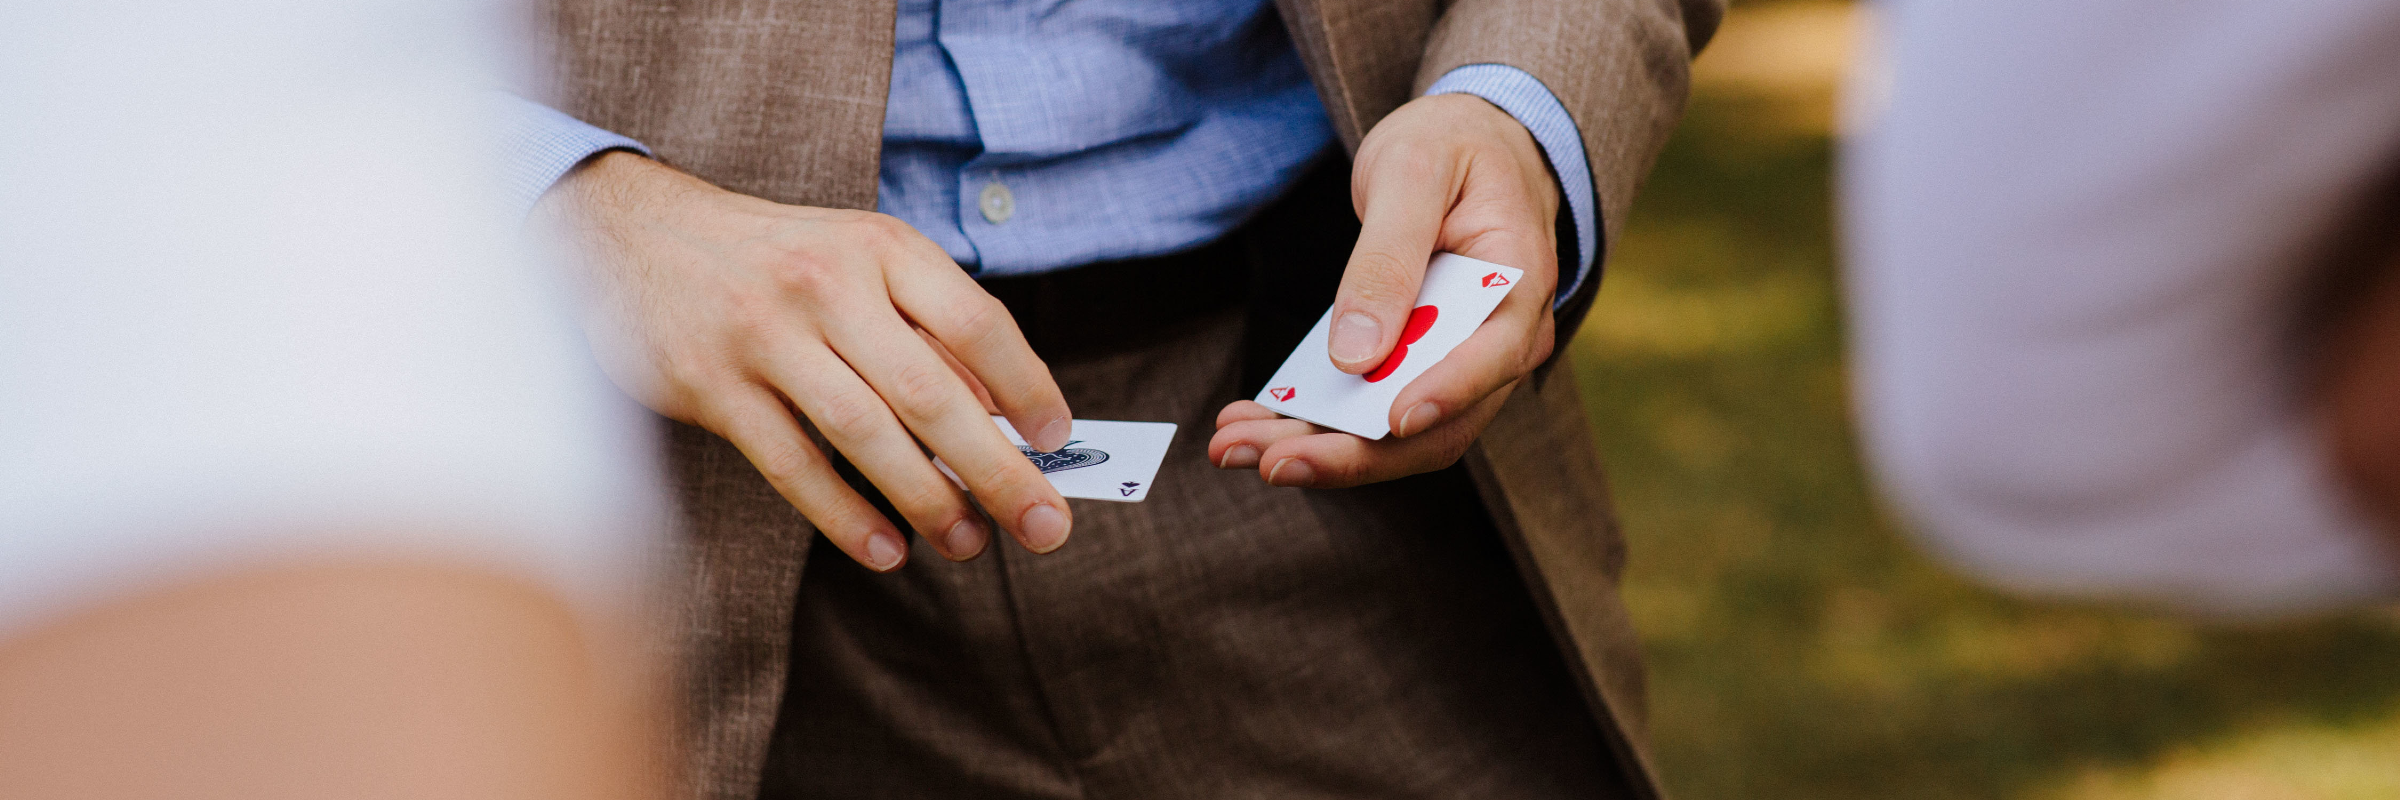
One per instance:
(762,427)
(1517,338)
(978,330)
(1241,410)
(983,394)
(935,405)
(856,421)
(1401,198)
(1239,445)
(1339,460)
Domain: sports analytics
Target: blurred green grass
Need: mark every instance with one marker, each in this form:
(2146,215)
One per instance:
(1799,646)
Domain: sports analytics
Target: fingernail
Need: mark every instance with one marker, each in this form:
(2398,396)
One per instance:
(1045,528)
(1355,336)
(884,551)
(1054,435)
(1291,472)
(965,540)
(1239,456)
(1428,411)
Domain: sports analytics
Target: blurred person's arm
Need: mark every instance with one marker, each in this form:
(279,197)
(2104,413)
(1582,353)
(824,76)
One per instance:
(2083,239)
(306,489)
(357,681)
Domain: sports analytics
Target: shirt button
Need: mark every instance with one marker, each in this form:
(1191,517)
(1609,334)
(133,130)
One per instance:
(997,204)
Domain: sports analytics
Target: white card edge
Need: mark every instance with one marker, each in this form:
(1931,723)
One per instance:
(1387,431)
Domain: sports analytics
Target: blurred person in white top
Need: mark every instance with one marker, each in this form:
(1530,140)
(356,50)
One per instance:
(2120,276)
(305,488)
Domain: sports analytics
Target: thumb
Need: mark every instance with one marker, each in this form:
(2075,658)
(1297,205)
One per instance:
(1400,220)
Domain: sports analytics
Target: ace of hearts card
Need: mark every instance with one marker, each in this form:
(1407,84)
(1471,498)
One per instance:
(1458,294)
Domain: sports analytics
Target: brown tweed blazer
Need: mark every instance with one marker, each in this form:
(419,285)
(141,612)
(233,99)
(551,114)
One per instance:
(784,99)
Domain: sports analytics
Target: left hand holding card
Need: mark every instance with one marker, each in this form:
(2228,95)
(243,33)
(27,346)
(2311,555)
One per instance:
(1105,459)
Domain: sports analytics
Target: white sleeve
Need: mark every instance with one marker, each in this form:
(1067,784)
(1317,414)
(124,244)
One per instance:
(2080,233)
(259,303)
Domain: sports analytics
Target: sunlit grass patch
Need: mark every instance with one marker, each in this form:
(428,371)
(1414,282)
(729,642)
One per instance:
(2295,761)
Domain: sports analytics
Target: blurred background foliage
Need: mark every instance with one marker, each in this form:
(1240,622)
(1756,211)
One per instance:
(1800,646)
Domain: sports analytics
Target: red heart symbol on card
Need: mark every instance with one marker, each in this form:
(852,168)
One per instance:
(1420,320)
(1495,279)
(1282,393)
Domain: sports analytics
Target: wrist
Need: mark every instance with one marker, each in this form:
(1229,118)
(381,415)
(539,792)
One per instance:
(570,197)
(587,187)
(621,186)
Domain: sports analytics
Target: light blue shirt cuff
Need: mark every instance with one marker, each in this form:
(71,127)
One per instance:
(540,145)
(1525,98)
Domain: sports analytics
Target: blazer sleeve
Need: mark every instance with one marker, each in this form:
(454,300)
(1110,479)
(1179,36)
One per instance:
(1620,67)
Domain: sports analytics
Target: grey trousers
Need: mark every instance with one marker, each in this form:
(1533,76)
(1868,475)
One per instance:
(1223,639)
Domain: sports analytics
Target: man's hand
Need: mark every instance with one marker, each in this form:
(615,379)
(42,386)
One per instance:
(744,316)
(1443,173)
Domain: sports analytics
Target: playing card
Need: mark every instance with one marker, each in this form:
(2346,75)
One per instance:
(1106,459)
(1458,294)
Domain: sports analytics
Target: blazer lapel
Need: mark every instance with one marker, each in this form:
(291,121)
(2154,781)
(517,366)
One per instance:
(1362,54)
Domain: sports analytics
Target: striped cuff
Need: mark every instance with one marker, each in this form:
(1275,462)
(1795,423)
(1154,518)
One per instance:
(1525,98)
(539,145)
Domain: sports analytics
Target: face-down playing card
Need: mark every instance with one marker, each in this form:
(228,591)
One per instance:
(1458,294)
(1106,459)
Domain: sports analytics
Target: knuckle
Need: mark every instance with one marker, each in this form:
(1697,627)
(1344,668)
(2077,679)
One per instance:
(1346,472)
(1545,338)
(1004,476)
(1540,348)
(785,463)
(922,387)
(808,274)
(972,323)
(926,499)
(879,233)
(847,416)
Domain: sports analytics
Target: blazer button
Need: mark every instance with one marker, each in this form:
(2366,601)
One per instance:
(997,204)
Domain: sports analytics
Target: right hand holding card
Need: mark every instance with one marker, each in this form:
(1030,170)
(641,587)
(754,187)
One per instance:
(1444,173)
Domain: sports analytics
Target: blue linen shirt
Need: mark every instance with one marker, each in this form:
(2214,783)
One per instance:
(1025,136)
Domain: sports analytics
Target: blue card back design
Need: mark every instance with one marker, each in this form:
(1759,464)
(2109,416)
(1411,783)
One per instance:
(1068,457)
